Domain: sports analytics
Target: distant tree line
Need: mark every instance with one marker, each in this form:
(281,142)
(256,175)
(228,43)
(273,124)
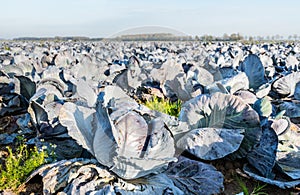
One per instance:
(153,37)
(57,38)
(238,37)
(166,37)
(225,37)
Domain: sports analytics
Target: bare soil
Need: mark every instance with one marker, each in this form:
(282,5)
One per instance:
(232,171)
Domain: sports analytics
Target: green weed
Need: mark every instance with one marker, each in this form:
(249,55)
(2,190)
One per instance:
(258,189)
(242,186)
(19,164)
(7,48)
(164,105)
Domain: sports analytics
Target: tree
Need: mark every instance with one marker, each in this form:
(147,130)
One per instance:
(207,38)
(236,37)
(295,37)
(226,37)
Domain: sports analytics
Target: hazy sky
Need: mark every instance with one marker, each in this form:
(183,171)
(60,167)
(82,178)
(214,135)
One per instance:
(103,18)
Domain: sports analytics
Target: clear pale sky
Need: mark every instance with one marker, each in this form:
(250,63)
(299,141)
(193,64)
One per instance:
(103,18)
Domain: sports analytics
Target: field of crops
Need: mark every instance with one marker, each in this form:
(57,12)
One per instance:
(149,117)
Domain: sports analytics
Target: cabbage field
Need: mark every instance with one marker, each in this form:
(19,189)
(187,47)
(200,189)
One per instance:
(88,106)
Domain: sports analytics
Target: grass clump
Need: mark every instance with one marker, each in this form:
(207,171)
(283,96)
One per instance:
(258,189)
(19,164)
(7,48)
(164,105)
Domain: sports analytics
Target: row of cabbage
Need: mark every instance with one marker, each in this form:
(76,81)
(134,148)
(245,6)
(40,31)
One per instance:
(239,101)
